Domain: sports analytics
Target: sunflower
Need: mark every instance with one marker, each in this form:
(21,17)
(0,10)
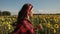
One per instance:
(56,26)
(48,25)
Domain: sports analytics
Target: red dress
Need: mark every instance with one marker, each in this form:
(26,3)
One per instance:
(25,28)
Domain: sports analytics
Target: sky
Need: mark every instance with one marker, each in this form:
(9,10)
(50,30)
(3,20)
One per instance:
(40,6)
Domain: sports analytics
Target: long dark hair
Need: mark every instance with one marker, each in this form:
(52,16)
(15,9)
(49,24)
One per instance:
(23,12)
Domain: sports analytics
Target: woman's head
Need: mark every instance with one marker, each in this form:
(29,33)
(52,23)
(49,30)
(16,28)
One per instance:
(25,11)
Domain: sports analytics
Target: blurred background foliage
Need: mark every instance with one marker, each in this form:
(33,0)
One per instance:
(49,23)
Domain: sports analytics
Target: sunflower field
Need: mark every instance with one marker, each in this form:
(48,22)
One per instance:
(49,23)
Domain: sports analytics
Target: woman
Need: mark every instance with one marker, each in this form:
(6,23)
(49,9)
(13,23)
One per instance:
(24,25)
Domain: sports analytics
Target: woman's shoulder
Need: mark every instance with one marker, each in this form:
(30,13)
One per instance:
(26,21)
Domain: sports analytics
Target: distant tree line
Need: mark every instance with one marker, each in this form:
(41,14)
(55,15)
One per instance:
(5,13)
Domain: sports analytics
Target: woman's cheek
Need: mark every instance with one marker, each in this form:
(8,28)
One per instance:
(31,15)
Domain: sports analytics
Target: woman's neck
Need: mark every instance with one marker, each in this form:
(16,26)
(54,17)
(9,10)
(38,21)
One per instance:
(28,17)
